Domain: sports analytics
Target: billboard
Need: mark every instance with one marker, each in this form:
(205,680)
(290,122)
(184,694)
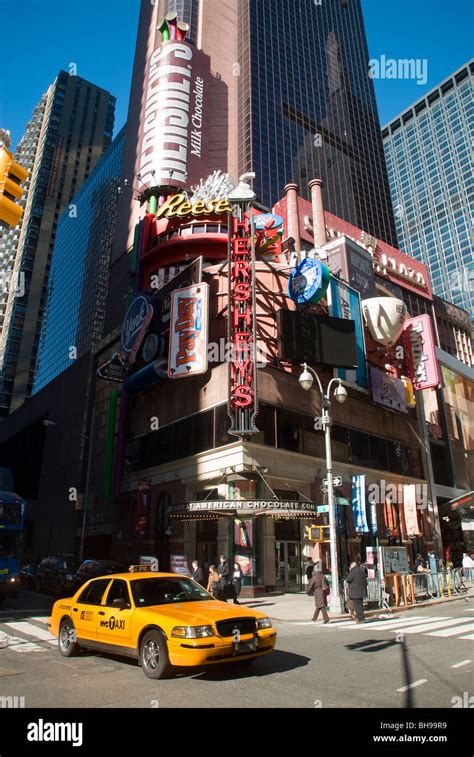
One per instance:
(172,136)
(316,339)
(188,331)
(344,302)
(359,504)
(388,391)
(352,263)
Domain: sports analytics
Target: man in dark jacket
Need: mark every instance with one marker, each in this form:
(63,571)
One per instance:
(224,574)
(357,581)
(197,573)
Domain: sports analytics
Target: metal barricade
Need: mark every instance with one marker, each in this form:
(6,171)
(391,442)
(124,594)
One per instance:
(376,594)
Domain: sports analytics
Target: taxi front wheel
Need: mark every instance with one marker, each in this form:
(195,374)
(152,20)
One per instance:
(68,645)
(154,658)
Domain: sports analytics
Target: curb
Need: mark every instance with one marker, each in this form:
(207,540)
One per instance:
(375,613)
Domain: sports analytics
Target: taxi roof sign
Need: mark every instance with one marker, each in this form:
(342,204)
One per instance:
(140,568)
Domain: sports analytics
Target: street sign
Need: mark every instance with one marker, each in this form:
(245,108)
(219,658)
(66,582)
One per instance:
(322,508)
(336,481)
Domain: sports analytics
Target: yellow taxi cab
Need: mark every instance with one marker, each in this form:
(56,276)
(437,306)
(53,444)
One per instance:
(164,620)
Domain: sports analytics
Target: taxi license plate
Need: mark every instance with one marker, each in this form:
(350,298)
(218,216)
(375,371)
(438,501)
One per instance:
(245,647)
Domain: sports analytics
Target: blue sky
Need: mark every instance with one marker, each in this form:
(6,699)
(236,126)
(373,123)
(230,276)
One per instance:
(99,37)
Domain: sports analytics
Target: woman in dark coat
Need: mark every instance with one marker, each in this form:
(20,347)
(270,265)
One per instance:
(237,576)
(319,588)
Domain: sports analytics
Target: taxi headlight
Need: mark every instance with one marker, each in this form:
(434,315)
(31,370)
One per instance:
(192,632)
(263,623)
(14,578)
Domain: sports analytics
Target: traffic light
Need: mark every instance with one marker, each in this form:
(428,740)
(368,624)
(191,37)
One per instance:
(12,175)
(319,534)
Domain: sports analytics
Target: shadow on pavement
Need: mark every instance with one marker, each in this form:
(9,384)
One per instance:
(276,662)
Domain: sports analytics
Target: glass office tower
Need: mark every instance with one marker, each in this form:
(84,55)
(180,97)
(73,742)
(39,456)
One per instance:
(78,285)
(431,173)
(77,122)
(308,110)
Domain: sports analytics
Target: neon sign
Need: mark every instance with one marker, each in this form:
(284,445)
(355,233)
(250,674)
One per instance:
(242,404)
(179,206)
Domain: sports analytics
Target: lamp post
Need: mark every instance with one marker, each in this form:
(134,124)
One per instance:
(340,393)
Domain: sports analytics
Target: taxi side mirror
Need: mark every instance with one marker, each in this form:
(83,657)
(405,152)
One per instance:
(121,604)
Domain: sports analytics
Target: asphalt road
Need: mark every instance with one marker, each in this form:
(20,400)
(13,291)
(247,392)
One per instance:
(338,665)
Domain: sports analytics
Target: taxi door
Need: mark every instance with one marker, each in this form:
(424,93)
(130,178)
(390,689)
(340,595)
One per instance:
(85,611)
(115,622)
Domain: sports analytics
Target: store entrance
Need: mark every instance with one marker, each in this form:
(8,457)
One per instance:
(288,564)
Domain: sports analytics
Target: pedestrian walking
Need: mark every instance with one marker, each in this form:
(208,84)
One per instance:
(349,602)
(318,588)
(357,581)
(467,565)
(197,573)
(309,569)
(224,575)
(214,582)
(237,576)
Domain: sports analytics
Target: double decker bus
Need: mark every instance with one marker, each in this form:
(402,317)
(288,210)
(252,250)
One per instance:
(11,540)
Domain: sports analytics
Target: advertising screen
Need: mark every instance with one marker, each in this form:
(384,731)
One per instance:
(317,339)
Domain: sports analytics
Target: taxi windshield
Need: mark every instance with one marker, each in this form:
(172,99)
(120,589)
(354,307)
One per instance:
(165,591)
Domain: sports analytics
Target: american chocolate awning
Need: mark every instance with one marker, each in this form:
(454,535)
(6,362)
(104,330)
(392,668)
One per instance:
(216,508)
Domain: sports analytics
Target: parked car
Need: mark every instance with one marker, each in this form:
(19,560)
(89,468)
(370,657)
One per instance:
(94,569)
(56,573)
(28,574)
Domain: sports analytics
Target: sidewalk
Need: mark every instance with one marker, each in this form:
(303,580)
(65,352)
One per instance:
(300,607)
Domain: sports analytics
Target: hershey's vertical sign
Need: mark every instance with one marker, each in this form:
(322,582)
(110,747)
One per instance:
(242,403)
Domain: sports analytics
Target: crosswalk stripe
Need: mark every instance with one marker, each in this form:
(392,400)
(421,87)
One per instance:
(453,631)
(469,636)
(426,627)
(40,618)
(20,645)
(31,630)
(461,664)
(398,623)
(413,685)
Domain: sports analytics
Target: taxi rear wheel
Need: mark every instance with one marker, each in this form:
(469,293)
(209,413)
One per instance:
(68,645)
(154,658)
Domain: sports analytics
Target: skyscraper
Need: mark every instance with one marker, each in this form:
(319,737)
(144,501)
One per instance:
(71,129)
(308,110)
(74,318)
(25,154)
(430,169)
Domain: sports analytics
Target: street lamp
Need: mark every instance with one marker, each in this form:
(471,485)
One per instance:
(340,393)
